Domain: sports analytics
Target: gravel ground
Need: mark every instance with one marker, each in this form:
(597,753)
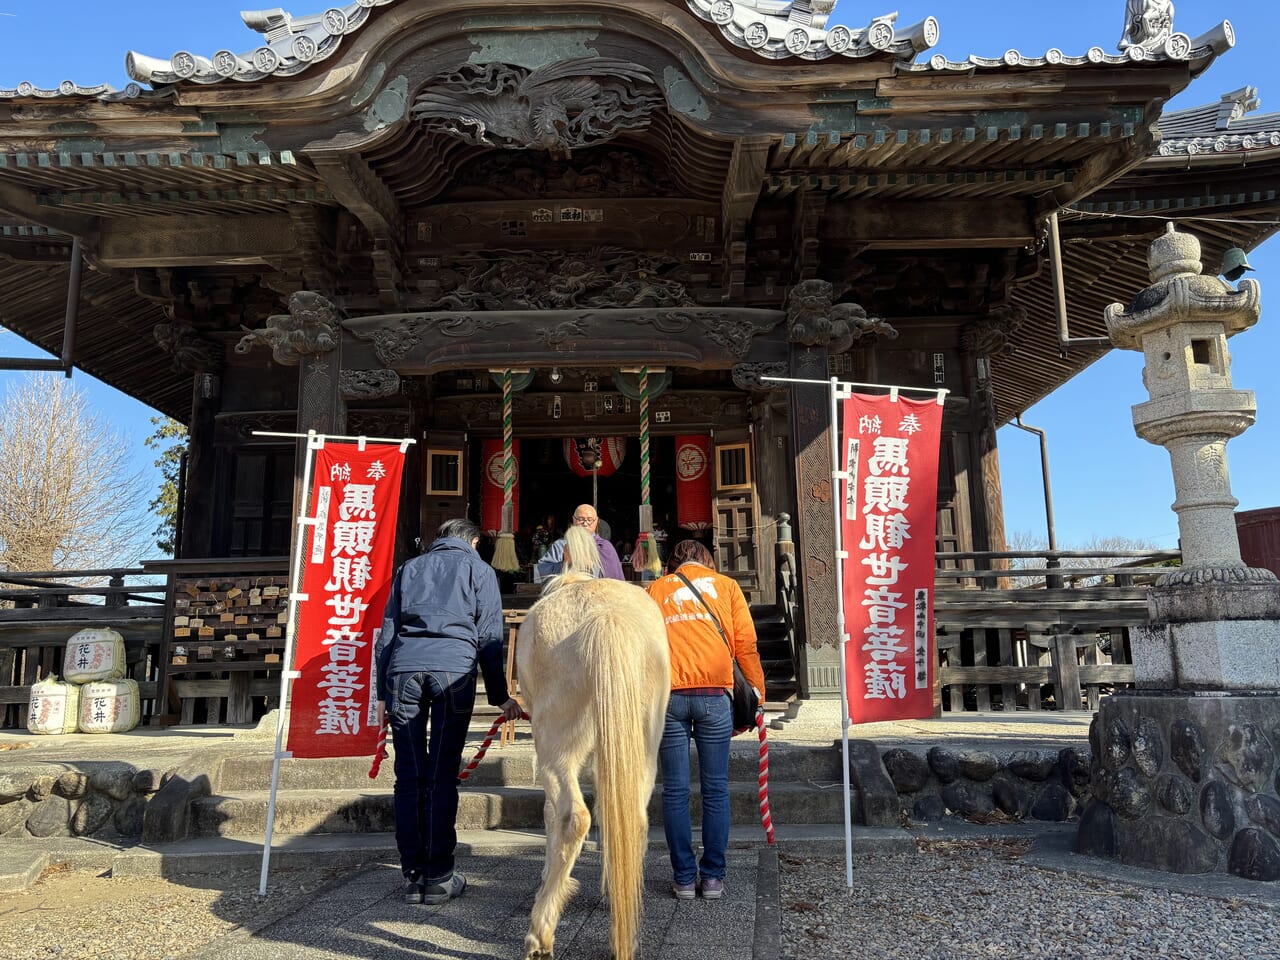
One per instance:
(78,915)
(973,899)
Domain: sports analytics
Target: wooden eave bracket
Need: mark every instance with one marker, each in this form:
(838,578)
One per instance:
(359,188)
(744,180)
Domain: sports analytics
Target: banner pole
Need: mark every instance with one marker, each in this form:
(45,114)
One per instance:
(287,672)
(836,499)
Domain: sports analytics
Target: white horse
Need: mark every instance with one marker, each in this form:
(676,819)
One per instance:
(596,674)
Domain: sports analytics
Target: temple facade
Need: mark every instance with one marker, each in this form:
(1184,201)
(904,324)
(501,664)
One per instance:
(385,212)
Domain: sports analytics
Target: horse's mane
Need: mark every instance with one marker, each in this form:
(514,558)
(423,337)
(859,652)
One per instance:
(554,583)
(580,551)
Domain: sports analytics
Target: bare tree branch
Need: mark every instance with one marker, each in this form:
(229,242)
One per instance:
(68,496)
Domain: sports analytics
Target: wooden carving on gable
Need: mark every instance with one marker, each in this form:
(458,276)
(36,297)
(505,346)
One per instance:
(556,108)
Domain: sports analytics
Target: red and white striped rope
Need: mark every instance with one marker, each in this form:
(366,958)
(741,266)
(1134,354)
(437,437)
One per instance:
(484,747)
(766,818)
(381,753)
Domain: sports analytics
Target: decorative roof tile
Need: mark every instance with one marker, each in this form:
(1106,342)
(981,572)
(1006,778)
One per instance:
(292,45)
(798,28)
(772,29)
(1228,126)
(1176,46)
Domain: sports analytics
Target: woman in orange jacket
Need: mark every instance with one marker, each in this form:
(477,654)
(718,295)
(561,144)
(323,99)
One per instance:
(701,681)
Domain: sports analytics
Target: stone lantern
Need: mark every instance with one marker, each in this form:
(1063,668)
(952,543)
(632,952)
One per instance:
(1186,772)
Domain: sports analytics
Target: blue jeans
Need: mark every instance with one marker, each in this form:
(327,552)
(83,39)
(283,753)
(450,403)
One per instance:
(426,790)
(709,720)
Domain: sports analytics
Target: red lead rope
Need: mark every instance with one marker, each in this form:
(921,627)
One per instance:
(381,753)
(766,818)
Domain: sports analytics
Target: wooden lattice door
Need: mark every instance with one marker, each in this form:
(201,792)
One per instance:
(735,506)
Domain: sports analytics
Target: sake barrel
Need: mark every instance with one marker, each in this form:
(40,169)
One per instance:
(54,706)
(95,653)
(109,706)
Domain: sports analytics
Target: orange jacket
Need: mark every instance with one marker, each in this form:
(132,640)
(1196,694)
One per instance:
(699,657)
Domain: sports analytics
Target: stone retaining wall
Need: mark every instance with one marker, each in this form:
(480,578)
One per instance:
(1187,783)
(976,784)
(93,800)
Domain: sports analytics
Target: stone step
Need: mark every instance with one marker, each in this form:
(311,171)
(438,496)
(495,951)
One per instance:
(508,766)
(301,812)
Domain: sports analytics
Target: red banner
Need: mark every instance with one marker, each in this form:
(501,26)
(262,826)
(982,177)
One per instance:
(606,452)
(345,579)
(888,521)
(693,482)
(491,485)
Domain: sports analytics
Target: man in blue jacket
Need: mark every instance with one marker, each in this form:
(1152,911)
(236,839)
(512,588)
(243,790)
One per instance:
(442,619)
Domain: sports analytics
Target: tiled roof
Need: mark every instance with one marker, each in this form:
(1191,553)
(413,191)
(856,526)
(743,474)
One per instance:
(1229,126)
(771,29)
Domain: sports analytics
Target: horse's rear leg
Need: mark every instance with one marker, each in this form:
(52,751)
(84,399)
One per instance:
(567,821)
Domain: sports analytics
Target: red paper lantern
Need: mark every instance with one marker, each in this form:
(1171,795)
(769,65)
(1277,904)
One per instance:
(693,482)
(608,453)
(491,485)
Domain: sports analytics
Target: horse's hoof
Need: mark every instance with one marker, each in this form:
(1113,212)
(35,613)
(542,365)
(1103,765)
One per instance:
(538,955)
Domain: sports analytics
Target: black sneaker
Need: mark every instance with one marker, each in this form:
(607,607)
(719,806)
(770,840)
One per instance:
(413,889)
(444,891)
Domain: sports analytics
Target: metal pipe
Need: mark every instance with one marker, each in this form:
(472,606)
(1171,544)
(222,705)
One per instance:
(68,325)
(73,307)
(1060,295)
(1044,470)
(30,363)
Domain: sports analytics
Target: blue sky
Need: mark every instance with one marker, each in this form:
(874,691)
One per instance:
(1106,482)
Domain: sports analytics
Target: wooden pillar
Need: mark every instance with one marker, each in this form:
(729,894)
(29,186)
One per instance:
(772,474)
(809,308)
(200,494)
(988,497)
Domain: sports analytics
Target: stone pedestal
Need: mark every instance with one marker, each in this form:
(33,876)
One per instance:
(1211,629)
(1187,783)
(1185,765)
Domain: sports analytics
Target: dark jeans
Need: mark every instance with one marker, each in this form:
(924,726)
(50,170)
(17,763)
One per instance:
(709,721)
(437,705)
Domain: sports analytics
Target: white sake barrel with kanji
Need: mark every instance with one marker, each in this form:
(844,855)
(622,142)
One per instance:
(109,706)
(95,653)
(54,706)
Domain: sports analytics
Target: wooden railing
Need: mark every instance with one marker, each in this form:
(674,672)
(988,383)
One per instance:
(1039,630)
(39,612)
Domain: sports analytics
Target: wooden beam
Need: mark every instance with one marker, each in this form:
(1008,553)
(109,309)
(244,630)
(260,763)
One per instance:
(22,205)
(195,241)
(742,185)
(358,187)
(932,224)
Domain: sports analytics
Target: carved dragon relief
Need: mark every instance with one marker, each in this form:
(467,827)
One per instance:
(606,277)
(750,376)
(368,384)
(189,350)
(993,334)
(393,343)
(559,107)
(310,327)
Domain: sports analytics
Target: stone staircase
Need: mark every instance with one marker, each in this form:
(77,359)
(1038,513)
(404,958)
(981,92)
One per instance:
(337,796)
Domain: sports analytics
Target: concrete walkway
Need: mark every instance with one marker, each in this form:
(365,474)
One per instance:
(362,916)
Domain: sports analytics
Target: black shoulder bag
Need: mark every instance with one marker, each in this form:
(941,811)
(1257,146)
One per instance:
(745,702)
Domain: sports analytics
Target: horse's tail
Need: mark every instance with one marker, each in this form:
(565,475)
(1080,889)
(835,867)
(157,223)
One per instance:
(624,771)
